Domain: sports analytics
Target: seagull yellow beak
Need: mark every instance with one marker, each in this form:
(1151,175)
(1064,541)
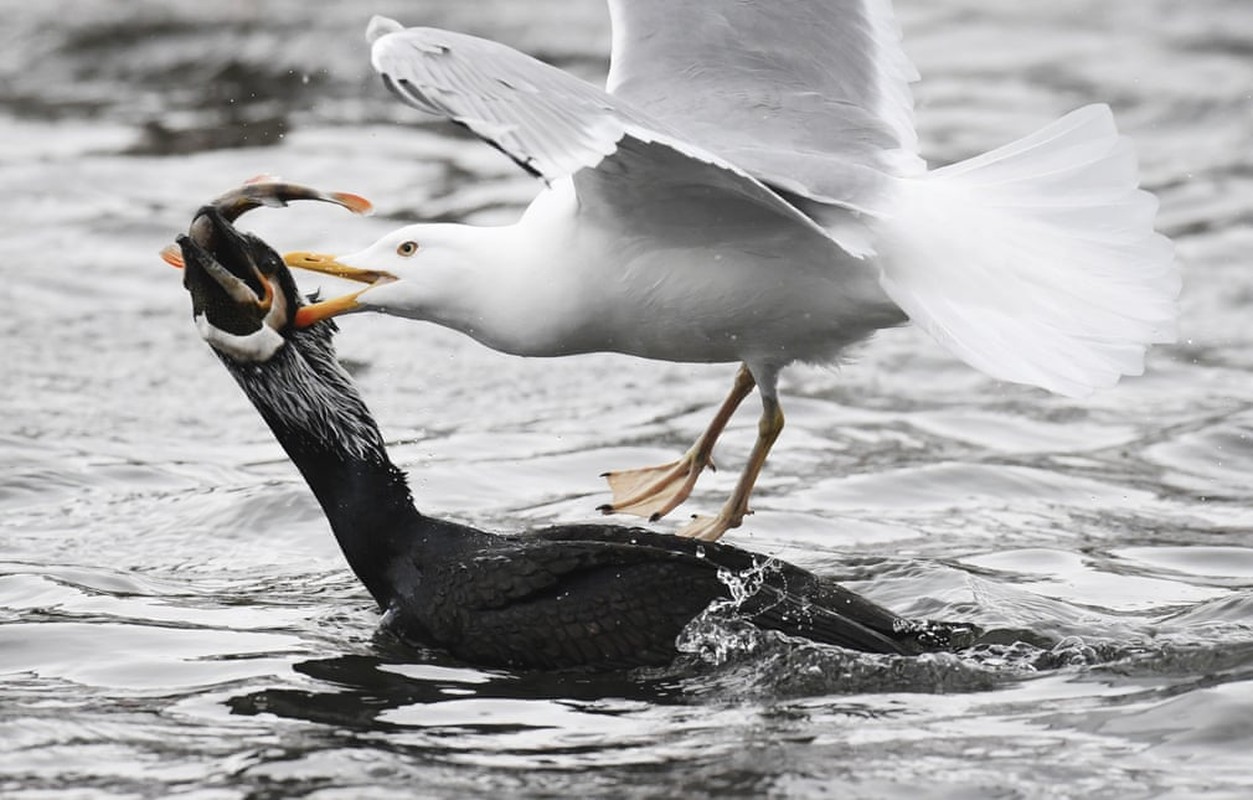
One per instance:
(327,265)
(325,309)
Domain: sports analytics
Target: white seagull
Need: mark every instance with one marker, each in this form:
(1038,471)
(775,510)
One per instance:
(748,188)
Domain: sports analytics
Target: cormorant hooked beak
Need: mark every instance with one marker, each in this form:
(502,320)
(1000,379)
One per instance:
(237,283)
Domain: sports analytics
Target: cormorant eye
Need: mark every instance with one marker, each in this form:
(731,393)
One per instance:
(407,249)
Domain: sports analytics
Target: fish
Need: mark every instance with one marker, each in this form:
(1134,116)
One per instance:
(257,192)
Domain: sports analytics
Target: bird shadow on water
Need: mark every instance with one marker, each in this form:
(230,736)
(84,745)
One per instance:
(363,689)
(723,660)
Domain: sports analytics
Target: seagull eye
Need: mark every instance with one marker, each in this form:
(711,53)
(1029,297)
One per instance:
(407,248)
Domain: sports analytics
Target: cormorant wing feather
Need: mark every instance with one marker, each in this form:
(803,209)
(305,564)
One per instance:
(787,598)
(531,569)
(540,603)
(777,609)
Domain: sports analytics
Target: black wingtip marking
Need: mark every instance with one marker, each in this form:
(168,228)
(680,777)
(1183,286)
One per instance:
(407,92)
(525,163)
(391,85)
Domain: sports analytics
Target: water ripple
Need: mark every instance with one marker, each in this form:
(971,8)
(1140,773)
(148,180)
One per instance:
(175,618)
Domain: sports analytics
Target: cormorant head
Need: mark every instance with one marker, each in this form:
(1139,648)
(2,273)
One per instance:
(243,297)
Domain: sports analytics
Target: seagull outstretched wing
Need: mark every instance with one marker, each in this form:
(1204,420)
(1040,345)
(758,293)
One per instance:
(812,97)
(555,125)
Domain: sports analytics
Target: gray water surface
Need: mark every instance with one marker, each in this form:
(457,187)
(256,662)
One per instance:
(176,620)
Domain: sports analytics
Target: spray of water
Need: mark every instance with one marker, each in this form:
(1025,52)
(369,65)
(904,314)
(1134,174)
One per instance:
(720,633)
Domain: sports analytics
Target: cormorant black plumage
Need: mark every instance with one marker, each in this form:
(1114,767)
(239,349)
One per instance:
(588,596)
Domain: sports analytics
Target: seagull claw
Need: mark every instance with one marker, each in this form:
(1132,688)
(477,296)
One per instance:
(706,528)
(653,492)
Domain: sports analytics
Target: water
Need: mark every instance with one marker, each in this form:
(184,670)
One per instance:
(175,620)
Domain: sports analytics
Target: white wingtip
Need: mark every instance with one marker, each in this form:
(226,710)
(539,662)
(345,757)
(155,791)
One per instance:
(381,26)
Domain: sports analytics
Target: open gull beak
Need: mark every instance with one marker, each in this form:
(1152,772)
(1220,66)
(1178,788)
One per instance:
(327,265)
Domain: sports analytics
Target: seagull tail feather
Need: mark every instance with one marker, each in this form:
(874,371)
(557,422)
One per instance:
(1037,262)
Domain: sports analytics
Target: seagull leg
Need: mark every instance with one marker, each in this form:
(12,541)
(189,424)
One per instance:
(654,492)
(710,529)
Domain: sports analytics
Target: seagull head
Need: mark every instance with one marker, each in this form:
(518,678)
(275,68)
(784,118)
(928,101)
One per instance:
(424,271)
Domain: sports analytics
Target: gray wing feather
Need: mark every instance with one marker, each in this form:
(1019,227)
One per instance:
(809,95)
(553,124)
(551,127)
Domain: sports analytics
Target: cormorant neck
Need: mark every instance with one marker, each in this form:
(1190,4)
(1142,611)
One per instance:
(318,417)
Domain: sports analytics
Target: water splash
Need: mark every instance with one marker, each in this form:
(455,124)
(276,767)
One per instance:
(747,583)
(720,633)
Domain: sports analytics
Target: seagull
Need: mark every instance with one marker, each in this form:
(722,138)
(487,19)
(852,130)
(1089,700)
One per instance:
(747,188)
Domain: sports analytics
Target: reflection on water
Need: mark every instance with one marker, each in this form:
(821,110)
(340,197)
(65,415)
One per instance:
(176,620)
